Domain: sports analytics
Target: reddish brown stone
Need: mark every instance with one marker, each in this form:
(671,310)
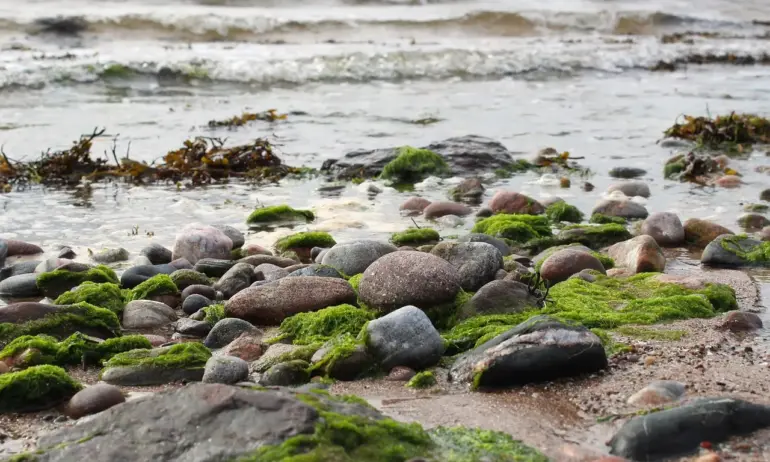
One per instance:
(513,202)
(248,346)
(16,248)
(741,321)
(700,232)
(440,209)
(400,374)
(414,205)
(564,263)
(729,181)
(640,255)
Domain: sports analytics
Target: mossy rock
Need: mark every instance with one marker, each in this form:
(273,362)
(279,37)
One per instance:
(606,261)
(415,237)
(160,284)
(184,278)
(601,219)
(324,325)
(214,313)
(518,228)
(413,165)
(305,240)
(277,214)
(424,379)
(106,295)
(458,444)
(36,388)
(355,281)
(188,355)
(561,211)
(674,166)
(751,252)
(592,236)
(75,349)
(444,316)
(65,321)
(54,283)
(756,208)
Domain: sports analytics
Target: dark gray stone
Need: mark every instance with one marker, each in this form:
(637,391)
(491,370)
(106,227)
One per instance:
(199,289)
(136,275)
(3,252)
(107,256)
(225,331)
(21,286)
(624,209)
(716,255)
(286,374)
(212,267)
(321,271)
(627,172)
(140,314)
(195,302)
(94,399)
(354,257)
(499,297)
(66,252)
(665,228)
(192,328)
(235,279)
(236,236)
(404,337)
(24,267)
(478,237)
(476,262)
(536,350)
(225,369)
(157,254)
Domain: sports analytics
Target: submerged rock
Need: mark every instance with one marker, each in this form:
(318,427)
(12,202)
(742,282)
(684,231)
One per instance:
(700,232)
(414,205)
(197,241)
(640,255)
(470,191)
(539,349)
(476,262)
(627,172)
(404,337)
(108,256)
(623,209)
(157,254)
(513,202)
(665,228)
(439,209)
(631,188)
(753,221)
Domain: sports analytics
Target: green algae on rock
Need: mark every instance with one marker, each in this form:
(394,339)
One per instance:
(339,349)
(477,330)
(214,313)
(601,219)
(276,214)
(518,228)
(75,349)
(562,211)
(306,240)
(355,280)
(106,295)
(188,355)
(54,283)
(184,278)
(759,255)
(459,444)
(160,284)
(413,165)
(732,131)
(323,325)
(415,237)
(424,379)
(36,388)
(592,236)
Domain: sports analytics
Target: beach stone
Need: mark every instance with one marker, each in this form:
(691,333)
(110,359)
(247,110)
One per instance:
(236,279)
(157,254)
(248,346)
(470,190)
(753,221)
(237,237)
(741,322)
(404,337)
(184,278)
(498,243)
(400,374)
(140,376)
(197,241)
(716,255)
(700,232)
(631,188)
(408,278)
(674,432)
(141,260)
(136,275)
(355,257)
(195,302)
(66,252)
(665,228)
(729,181)
(227,330)
(17,313)
(765,195)
(256,260)
(155,340)
(476,262)
(192,328)
(23,267)
(565,262)
(450,221)
(513,202)
(256,249)
(640,254)
(199,289)
(586,275)
(272,355)
(212,267)
(286,374)
(225,369)
(269,273)
(271,303)
(627,172)
(93,399)
(3,252)
(181,264)
(539,349)
(349,367)
(108,256)
(143,314)
(439,209)
(499,297)
(52,264)
(764,234)
(298,266)
(658,393)
(414,205)
(321,271)
(17,248)
(21,286)
(623,209)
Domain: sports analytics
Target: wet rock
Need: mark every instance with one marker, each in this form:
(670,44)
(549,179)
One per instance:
(256,260)
(404,337)
(586,275)
(715,254)
(255,249)
(275,354)
(321,271)
(499,297)
(271,303)
(658,393)
(348,367)
(499,244)
(741,322)
(484,212)
(624,209)
(439,209)
(17,313)
(237,237)
(197,241)
(93,399)
(765,195)
(21,286)
(286,374)
(450,221)
(195,302)
(192,328)
(20,248)
(565,262)
(408,278)
(225,369)
(269,273)
(679,431)
(639,255)
(400,374)
(248,346)
(414,205)
(227,330)
(513,202)
(631,188)
(24,267)
(470,190)
(66,252)
(136,275)
(107,256)
(237,278)
(199,289)
(627,172)
(476,262)
(729,181)
(157,254)
(753,221)
(212,267)
(355,257)
(142,314)
(536,350)
(764,234)
(665,228)
(184,278)
(700,232)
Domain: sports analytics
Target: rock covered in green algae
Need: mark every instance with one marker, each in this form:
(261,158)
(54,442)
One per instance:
(514,227)
(287,373)
(413,165)
(324,325)
(343,358)
(161,284)
(592,236)
(36,388)
(54,283)
(158,366)
(75,349)
(734,251)
(424,379)
(106,295)
(415,237)
(278,214)
(562,211)
(184,278)
(304,240)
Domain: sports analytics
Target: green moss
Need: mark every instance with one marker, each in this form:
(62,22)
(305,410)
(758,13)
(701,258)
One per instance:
(520,165)
(611,346)
(325,324)
(308,239)
(651,334)
(412,165)
(674,167)
(339,348)
(444,316)
(474,331)
(279,214)
(756,208)
(759,254)
(117,71)
(55,283)
(591,236)
(188,355)
(601,219)
(562,211)
(65,321)
(186,277)
(354,281)
(75,349)
(514,227)
(415,237)
(607,261)
(214,313)
(460,444)
(36,388)
(424,379)
(106,295)
(160,284)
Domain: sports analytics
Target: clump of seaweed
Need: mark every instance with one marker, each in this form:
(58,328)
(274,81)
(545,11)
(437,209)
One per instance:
(733,131)
(271,115)
(712,58)
(700,169)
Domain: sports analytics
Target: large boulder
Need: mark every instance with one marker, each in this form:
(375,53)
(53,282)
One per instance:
(271,303)
(513,202)
(539,349)
(700,232)
(476,262)
(197,241)
(404,337)
(624,209)
(354,257)
(665,228)
(563,263)
(408,278)
(640,255)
